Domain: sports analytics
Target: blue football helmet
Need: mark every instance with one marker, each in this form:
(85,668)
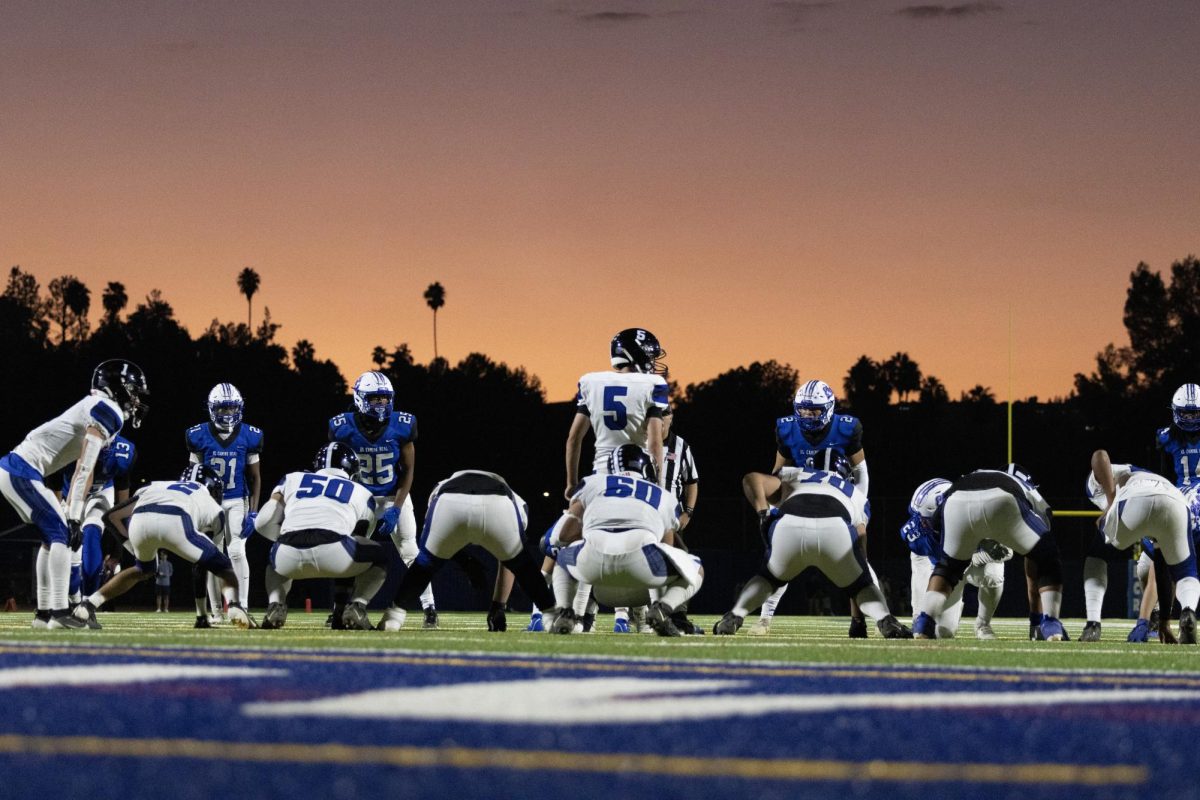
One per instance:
(225,406)
(125,383)
(337,455)
(637,348)
(629,459)
(1185,408)
(373,396)
(814,405)
(206,476)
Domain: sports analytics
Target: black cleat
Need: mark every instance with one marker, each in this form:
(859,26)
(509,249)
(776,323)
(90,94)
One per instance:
(336,623)
(431,619)
(565,621)
(355,618)
(858,628)
(64,620)
(275,617)
(892,628)
(589,622)
(728,625)
(1091,632)
(1187,626)
(86,612)
(202,621)
(659,618)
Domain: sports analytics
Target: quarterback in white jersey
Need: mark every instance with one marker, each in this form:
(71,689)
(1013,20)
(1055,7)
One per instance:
(75,436)
(817,522)
(181,516)
(627,524)
(319,521)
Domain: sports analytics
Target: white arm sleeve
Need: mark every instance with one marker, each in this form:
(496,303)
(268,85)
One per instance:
(77,496)
(269,518)
(859,471)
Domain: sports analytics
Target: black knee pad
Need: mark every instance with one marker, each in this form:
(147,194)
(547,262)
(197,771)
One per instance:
(771,579)
(1049,564)
(863,582)
(951,569)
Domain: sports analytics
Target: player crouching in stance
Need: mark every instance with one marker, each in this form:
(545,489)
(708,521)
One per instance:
(617,535)
(1004,506)
(1140,503)
(319,521)
(474,507)
(986,571)
(817,523)
(179,516)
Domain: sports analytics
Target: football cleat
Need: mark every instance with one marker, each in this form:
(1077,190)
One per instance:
(1187,626)
(355,617)
(659,617)
(685,625)
(728,625)
(431,619)
(924,627)
(240,617)
(275,617)
(621,626)
(202,622)
(565,622)
(891,628)
(983,630)
(392,620)
(1052,629)
(41,620)
(637,620)
(761,628)
(1035,627)
(858,628)
(587,623)
(535,624)
(86,612)
(64,621)
(1091,632)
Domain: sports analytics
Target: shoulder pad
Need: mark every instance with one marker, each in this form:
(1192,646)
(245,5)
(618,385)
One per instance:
(846,424)
(783,422)
(1164,435)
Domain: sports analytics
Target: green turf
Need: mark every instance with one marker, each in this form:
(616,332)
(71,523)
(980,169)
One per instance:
(793,639)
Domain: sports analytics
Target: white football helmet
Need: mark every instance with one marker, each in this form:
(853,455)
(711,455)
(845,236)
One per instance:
(225,406)
(814,404)
(1185,407)
(928,497)
(1096,494)
(373,395)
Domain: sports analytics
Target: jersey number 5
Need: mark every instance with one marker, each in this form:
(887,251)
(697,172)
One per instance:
(614,406)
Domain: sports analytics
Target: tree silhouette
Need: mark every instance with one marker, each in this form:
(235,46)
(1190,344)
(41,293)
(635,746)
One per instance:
(70,300)
(933,391)
(435,298)
(248,282)
(903,374)
(867,386)
(980,394)
(114,301)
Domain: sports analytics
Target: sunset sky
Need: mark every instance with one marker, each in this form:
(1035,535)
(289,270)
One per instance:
(802,181)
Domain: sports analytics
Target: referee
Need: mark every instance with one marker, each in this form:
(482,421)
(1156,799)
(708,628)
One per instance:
(682,479)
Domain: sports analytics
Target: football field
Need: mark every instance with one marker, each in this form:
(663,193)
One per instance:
(150,708)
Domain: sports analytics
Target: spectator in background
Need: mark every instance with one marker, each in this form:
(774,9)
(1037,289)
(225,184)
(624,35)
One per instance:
(162,582)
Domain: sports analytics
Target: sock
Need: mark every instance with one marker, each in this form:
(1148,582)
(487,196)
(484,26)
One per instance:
(416,582)
(42,570)
(565,587)
(989,599)
(583,594)
(368,584)
(229,593)
(1051,602)
(1095,583)
(241,566)
(621,613)
(756,590)
(870,602)
(933,603)
(97,598)
(1188,592)
(91,557)
(769,605)
(675,595)
(531,580)
(75,587)
(277,586)
(58,564)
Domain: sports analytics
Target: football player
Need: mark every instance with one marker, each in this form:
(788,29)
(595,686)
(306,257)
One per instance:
(384,440)
(1006,507)
(1140,503)
(1179,442)
(180,516)
(812,429)
(817,520)
(617,536)
(475,507)
(319,522)
(233,449)
(110,486)
(77,436)
(620,406)
(986,571)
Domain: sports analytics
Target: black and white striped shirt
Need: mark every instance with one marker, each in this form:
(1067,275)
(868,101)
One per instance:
(679,468)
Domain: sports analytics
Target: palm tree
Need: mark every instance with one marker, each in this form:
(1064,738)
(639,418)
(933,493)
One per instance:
(115,299)
(435,297)
(248,282)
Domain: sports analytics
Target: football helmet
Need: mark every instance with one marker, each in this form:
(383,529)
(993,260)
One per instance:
(1185,408)
(629,459)
(928,497)
(830,460)
(337,455)
(814,404)
(125,383)
(225,406)
(206,476)
(373,395)
(1021,474)
(639,349)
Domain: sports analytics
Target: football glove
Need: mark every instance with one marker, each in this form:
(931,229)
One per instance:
(765,518)
(496,621)
(248,524)
(548,548)
(388,521)
(74,534)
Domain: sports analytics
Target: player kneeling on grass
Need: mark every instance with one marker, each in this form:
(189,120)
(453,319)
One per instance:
(819,517)
(618,535)
(474,507)
(1140,503)
(179,516)
(319,521)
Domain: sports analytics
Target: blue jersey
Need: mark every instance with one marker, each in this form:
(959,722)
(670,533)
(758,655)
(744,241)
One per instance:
(1183,451)
(113,466)
(379,464)
(843,433)
(227,454)
(922,538)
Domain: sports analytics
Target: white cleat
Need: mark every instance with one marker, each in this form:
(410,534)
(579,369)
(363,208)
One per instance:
(392,620)
(760,628)
(983,630)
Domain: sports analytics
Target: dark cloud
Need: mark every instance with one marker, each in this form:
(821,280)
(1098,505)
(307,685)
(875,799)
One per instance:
(796,13)
(936,11)
(615,16)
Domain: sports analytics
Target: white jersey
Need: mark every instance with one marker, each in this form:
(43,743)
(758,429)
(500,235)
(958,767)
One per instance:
(325,500)
(57,443)
(613,502)
(192,498)
(814,493)
(619,405)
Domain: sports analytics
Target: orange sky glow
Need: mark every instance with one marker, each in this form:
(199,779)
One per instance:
(800,181)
